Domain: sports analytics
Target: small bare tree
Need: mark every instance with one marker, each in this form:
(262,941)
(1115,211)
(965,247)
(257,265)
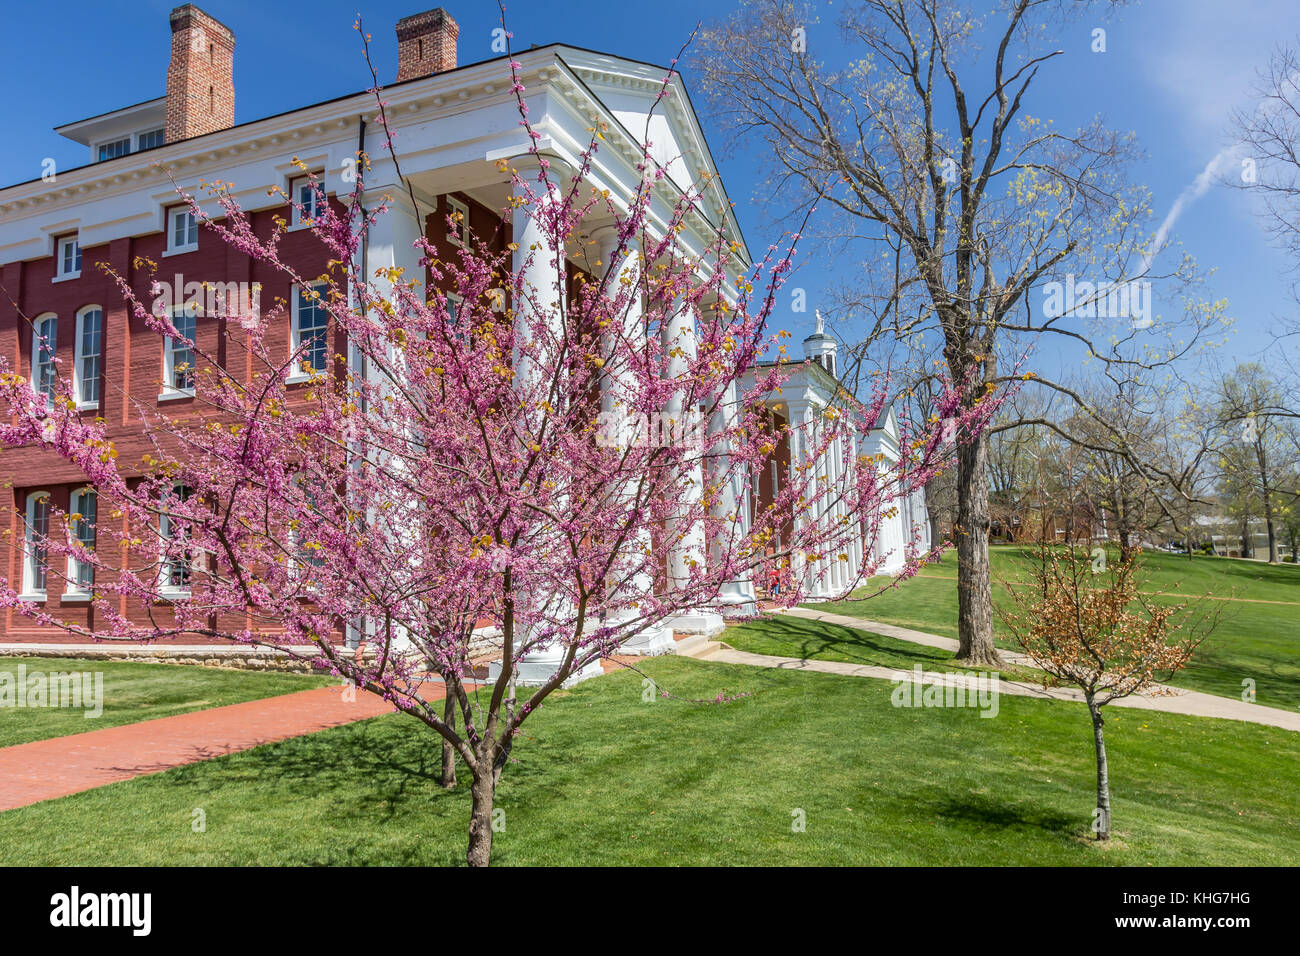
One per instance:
(1088,622)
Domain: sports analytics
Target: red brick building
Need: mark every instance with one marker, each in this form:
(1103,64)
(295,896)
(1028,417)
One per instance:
(62,316)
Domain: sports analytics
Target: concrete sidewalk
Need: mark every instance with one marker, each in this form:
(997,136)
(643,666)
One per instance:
(1172,700)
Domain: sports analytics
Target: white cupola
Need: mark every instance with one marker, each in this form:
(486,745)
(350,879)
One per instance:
(820,347)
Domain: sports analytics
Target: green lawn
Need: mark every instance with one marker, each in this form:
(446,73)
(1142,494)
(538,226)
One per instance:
(135,691)
(605,778)
(1254,640)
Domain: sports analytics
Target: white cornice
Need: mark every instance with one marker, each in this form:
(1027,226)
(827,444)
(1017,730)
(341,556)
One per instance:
(126,185)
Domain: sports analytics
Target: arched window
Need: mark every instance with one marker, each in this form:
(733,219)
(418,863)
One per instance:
(82,515)
(36,556)
(87,349)
(45,345)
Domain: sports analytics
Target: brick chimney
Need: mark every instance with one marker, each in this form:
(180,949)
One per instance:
(200,76)
(426,44)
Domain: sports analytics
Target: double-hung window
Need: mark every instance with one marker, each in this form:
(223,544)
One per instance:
(309,336)
(458,234)
(82,515)
(182,229)
(178,353)
(178,560)
(45,345)
(36,554)
(88,348)
(306,550)
(308,200)
(68,259)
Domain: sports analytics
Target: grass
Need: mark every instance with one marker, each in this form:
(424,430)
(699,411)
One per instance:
(135,691)
(1255,639)
(603,777)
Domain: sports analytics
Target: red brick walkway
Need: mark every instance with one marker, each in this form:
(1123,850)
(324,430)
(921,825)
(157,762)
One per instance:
(45,769)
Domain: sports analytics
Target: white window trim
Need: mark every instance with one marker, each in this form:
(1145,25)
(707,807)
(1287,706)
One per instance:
(174,250)
(296,373)
(168,591)
(296,221)
(59,274)
(298,567)
(458,301)
(130,147)
(170,392)
(454,206)
(73,591)
(76,356)
(36,349)
(135,138)
(30,593)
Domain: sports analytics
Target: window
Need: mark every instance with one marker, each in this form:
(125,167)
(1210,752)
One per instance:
(114,149)
(45,343)
(308,195)
(182,229)
(81,523)
(150,139)
(87,348)
(178,353)
(459,233)
(305,551)
(178,560)
(308,340)
(36,564)
(68,260)
(454,305)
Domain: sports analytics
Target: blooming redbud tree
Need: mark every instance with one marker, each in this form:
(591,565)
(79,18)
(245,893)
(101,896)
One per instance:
(472,483)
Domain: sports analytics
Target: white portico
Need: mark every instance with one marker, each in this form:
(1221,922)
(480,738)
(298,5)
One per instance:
(452,127)
(811,387)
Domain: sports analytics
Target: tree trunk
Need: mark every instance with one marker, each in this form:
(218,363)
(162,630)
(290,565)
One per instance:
(974,594)
(1102,823)
(448,779)
(480,817)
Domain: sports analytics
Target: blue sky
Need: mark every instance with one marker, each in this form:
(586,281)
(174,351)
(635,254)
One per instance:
(1172,71)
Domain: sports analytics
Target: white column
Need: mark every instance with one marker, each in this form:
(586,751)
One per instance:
(826,513)
(539,309)
(835,467)
(678,339)
(539,327)
(855,552)
(799,422)
(737,596)
(615,394)
(390,243)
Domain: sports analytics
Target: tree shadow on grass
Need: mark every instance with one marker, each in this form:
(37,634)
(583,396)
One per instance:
(835,642)
(989,812)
